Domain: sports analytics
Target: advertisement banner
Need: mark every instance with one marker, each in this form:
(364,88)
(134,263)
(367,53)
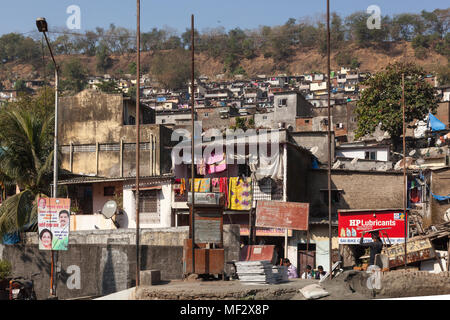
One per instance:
(353,224)
(53,223)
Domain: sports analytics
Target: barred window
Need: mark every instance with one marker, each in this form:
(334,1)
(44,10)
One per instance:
(148,207)
(84,148)
(132,146)
(109,147)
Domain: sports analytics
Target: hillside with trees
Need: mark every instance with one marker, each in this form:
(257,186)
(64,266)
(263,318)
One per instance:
(297,46)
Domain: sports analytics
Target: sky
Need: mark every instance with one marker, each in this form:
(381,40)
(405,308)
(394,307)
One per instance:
(20,15)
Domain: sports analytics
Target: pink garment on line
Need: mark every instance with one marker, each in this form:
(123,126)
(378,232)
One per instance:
(214,158)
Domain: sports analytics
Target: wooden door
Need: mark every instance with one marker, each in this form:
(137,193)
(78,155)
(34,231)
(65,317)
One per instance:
(305,258)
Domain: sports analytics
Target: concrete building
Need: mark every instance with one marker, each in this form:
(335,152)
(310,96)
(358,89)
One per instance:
(350,190)
(98,146)
(287,107)
(364,150)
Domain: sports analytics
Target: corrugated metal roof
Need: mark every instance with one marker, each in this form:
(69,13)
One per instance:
(95,179)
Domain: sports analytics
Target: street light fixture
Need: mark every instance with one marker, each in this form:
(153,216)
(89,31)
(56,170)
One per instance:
(42,26)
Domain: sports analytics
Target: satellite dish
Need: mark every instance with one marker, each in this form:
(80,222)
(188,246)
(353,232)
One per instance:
(413,152)
(354,161)
(109,209)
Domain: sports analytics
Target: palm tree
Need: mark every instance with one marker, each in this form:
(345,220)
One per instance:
(25,160)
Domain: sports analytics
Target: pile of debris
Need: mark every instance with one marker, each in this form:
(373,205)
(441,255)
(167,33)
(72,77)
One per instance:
(260,272)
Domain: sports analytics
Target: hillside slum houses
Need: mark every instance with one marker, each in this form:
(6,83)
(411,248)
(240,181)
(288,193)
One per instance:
(97,136)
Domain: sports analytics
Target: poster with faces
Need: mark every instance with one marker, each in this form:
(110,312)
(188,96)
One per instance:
(53,223)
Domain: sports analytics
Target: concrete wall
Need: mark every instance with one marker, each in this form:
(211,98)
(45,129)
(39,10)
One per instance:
(440,185)
(92,270)
(315,138)
(298,164)
(360,190)
(100,262)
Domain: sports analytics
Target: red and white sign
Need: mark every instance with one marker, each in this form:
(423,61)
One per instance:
(353,224)
(280,214)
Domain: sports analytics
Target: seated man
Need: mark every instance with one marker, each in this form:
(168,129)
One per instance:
(308,273)
(320,273)
(292,270)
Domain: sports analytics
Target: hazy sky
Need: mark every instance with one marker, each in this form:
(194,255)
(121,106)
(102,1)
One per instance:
(20,15)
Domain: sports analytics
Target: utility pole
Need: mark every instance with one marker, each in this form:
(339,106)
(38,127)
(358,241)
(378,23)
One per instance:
(138,83)
(404,166)
(329,138)
(192,147)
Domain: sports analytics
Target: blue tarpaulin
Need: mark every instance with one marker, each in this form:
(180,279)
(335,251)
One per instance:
(11,238)
(440,198)
(434,123)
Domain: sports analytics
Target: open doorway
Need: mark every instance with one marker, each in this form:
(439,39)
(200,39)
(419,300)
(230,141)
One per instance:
(306,256)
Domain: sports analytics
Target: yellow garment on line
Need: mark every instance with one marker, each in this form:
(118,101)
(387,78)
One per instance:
(201,185)
(182,186)
(240,191)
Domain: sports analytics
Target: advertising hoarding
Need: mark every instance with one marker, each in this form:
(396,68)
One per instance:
(53,223)
(353,223)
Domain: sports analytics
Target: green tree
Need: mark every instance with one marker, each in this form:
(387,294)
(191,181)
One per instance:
(363,36)
(14,46)
(109,86)
(132,68)
(25,160)
(444,75)
(381,101)
(74,76)
(172,69)
(104,61)
(20,86)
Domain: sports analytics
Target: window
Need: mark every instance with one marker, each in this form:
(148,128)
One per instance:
(370,155)
(264,117)
(335,196)
(306,121)
(163,120)
(109,191)
(206,114)
(148,207)
(282,103)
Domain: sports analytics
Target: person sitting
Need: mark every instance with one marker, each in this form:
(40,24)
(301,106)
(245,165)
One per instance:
(308,273)
(292,270)
(320,274)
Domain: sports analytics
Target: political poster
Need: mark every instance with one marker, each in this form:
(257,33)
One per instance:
(53,223)
(353,223)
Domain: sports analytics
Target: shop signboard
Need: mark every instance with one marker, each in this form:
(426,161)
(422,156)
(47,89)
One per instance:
(352,223)
(417,250)
(266,232)
(53,223)
(280,214)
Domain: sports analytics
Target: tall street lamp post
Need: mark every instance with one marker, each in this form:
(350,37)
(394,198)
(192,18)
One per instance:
(42,26)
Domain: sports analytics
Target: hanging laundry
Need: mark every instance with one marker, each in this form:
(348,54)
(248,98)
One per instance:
(215,185)
(182,186)
(201,168)
(217,167)
(415,195)
(201,185)
(240,193)
(223,187)
(216,163)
